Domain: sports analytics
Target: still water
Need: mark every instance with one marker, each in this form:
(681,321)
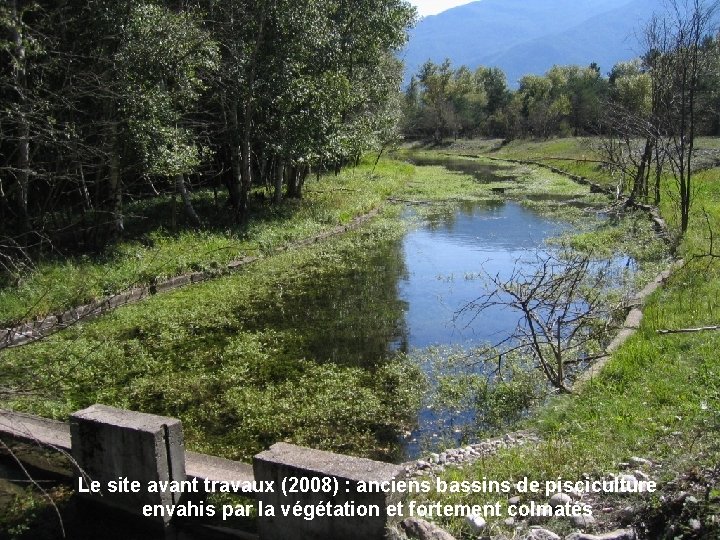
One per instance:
(446,260)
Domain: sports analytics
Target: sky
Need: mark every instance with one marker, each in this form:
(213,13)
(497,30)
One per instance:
(433,7)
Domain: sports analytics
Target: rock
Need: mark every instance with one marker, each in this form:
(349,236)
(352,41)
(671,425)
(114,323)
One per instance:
(627,515)
(442,458)
(630,482)
(695,524)
(641,475)
(514,500)
(509,522)
(476,523)
(640,462)
(541,534)
(423,530)
(582,522)
(560,499)
(422,465)
(434,458)
(620,534)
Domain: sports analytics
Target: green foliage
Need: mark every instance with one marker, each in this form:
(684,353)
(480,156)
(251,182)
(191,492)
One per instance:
(152,252)
(103,102)
(442,101)
(500,393)
(247,350)
(160,84)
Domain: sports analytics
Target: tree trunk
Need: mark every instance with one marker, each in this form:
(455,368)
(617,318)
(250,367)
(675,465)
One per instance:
(115,185)
(23,128)
(658,172)
(181,188)
(245,143)
(263,171)
(640,181)
(245,153)
(279,173)
(291,178)
(84,191)
(235,186)
(296,180)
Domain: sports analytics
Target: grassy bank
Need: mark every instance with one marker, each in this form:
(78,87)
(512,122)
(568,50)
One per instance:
(150,252)
(659,397)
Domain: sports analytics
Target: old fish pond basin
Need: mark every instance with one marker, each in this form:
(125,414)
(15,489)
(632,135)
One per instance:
(355,311)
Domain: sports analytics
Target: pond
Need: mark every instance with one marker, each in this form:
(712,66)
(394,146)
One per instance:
(302,347)
(446,259)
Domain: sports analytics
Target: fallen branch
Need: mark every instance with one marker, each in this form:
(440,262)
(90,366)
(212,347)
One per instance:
(408,201)
(689,330)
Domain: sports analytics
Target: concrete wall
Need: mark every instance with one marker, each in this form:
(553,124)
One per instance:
(108,443)
(335,488)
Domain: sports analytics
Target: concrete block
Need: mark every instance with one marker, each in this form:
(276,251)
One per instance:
(198,277)
(110,443)
(634,318)
(285,462)
(35,430)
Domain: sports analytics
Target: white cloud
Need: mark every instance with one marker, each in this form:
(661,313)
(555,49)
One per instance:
(433,7)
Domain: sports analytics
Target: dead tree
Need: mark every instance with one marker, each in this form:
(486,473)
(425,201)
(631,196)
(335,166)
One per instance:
(562,307)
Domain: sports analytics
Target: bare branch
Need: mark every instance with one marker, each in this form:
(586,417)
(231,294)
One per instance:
(559,306)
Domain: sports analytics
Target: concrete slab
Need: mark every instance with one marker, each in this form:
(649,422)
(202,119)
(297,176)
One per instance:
(110,444)
(311,472)
(621,338)
(33,429)
(204,467)
(634,318)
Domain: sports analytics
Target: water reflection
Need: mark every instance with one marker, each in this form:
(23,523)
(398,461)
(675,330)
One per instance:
(349,314)
(444,262)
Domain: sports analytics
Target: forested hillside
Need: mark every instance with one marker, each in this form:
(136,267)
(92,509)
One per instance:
(522,37)
(443,100)
(109,101)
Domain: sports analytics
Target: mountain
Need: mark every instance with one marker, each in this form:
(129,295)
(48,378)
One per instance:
(530,36)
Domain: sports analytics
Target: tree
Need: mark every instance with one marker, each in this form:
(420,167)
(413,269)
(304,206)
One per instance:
(160,87)
(657,102)
(561,306)
(681,39)
(440,114)
(498,97)
(629,120)
(541,113)
(710,86)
